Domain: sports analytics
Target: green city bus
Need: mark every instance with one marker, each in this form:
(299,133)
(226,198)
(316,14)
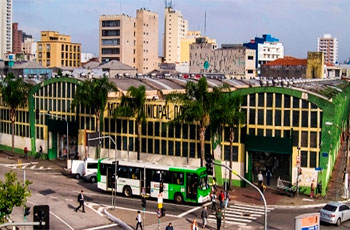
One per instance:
(179,183)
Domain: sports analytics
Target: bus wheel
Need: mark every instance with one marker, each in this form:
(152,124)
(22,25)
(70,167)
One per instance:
(127,191)
(178,198)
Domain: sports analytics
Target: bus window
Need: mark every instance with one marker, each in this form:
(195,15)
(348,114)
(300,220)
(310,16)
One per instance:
(92,165)
(122,172)
(155,175)
(203,183)
(166,177)
(134,173)
(103,169)
(178,178)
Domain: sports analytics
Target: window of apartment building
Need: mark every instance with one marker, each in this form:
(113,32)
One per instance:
(70,48)
(70,63)
(78,48)
(74,48)
(48,47)
(111,42)
(250,71)
(62,55)
(48,62)
(74,63)
(62,63)
(62,47)
(110,51)
(108,33)
(40,55)
(66,55)
(70,55)
(111,23)
(134,51)
(250,57)
(40,47)
(66,62)
(134,60)
(66,47)
(48,55)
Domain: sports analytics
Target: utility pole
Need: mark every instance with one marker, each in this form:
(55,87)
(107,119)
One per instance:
(250,183)
(298,170)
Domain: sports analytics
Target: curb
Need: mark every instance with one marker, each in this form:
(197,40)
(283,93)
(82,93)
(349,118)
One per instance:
(291,206)
(116,220)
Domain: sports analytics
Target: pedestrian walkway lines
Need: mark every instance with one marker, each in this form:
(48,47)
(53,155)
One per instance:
(27,166)
(97,208)
(240,215)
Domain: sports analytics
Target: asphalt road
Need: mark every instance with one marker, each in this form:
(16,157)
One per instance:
(60,192)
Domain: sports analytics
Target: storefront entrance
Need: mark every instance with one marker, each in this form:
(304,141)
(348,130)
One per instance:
(268,153)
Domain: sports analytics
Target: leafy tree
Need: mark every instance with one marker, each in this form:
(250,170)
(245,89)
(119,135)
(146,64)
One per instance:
(12,193)
(15,94)
(132,105)
(227,111)
(196,104)
(93,94)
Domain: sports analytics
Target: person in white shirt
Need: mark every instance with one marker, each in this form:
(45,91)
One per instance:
(260,178)
(139,220)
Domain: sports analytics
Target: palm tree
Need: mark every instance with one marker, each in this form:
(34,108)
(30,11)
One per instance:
(196,104)
(15,94)
(132,105)
(227,112)
(93,94)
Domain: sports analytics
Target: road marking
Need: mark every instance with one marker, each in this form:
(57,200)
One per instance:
(47,173)
(102,227)
(41,167)
(89,205)
(251,206)
(40,194)
(68,199)
(54,197)
(70,227)
(32,167)
(23,167)
(192,210)
(229,222)
(235,219)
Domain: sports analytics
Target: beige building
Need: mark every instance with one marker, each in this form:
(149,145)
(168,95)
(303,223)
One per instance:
(132,41)
(175,29)
(187,41)
(232,60)
(57,50)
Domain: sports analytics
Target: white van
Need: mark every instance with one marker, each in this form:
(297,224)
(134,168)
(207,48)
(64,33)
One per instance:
(86,169)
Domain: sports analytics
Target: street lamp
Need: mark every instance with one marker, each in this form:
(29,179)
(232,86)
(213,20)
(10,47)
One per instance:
(59,117)
(346,175)
(114,193)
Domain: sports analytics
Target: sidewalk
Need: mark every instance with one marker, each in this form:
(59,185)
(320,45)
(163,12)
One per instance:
(151,223)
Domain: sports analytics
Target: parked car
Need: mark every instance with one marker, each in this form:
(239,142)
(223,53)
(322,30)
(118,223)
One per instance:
(335,213)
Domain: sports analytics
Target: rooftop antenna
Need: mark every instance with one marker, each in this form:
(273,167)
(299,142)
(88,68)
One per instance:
(205,22)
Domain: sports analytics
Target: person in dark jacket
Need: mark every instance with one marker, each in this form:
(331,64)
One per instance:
(204,216)
(219,217)
(169,227)
(81,201)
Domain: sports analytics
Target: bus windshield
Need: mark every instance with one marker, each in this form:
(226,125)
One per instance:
(203,182)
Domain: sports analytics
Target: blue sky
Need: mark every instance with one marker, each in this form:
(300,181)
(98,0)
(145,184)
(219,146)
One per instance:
(297,23)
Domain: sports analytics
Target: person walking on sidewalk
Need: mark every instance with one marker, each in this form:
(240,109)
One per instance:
(139,220)
(219,217)
(204,216)
(260,178)
(194,225)
(213,201)
(25,152)
(268,177)
(221,199)
(312,189)
(227,198)
(169,227)
(81,201)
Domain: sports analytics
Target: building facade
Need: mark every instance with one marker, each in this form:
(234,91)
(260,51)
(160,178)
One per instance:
(57,50)
(175,29)
(267,49)
(233,60)
(190,38)
(17,39)
(329,46)
(285,127)
(5,27)
(132,41)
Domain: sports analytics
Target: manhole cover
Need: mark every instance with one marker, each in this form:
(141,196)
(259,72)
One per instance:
(47,192)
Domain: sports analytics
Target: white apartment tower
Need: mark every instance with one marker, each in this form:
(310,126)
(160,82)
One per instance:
(175,29)
(5,27)
(329,46)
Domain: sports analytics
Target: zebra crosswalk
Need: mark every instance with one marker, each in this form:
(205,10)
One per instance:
(29,166)
(240,215)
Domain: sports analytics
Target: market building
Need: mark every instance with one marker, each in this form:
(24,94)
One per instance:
(289,124)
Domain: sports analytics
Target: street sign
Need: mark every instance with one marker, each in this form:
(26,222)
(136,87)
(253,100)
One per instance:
(206,65)
(308,221)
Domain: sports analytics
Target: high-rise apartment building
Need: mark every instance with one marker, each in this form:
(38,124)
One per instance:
(175,29)
(329,46)
(17,38)
(132,41)
(57,50)
(5,27)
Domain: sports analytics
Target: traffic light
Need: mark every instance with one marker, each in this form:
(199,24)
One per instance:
(209,163)
(26,211)
(37,114)
(143,202)
(41,214)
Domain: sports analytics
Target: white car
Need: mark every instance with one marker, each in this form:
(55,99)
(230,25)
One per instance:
(335,213)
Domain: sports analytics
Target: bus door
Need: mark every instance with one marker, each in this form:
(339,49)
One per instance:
(148,180)
(110,176)
(191,186)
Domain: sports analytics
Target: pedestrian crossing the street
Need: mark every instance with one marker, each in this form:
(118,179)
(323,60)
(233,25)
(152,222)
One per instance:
(240,215)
